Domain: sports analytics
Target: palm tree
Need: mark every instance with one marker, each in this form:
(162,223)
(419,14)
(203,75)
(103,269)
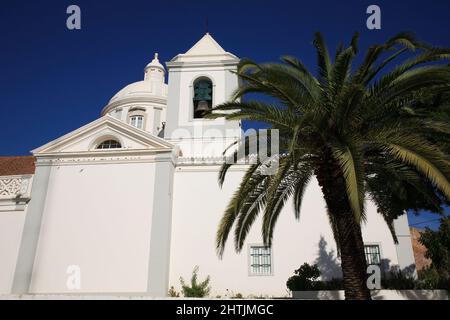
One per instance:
(361,132)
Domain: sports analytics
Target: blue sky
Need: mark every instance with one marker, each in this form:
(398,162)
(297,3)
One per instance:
(54,80)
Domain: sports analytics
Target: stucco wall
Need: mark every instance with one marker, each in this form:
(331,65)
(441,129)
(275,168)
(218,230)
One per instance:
(197,209)
(11,226)
(15,193)
(97,217)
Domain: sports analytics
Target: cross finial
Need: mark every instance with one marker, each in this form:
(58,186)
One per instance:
(156,56)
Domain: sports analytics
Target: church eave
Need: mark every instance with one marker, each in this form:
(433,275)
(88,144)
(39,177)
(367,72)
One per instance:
(162,101)
(196,64)
(111,156)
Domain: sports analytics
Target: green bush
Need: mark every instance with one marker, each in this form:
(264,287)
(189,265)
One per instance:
(305,278)
(430,278)
(196,289)
(396,280)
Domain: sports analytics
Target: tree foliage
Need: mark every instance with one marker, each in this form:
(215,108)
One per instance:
(438,247)
(386,129)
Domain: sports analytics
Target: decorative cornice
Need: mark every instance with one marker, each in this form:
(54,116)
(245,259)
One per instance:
(226,139)
(200,160)
(219,160)
(15,187)
(197,64)
(104,156)
(135,99)
(207,166)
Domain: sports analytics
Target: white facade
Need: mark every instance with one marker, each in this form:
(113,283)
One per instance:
(134,219)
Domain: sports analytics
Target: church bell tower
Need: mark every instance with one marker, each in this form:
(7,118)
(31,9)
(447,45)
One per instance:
(199,80)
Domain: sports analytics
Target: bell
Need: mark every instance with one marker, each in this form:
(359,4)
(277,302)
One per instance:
(201,109)
(202,106)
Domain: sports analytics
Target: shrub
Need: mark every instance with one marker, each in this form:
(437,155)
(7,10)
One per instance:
(397,280)
(430,278)
(196,289)
(305,278)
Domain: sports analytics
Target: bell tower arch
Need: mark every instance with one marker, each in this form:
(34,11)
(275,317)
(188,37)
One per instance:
(203,97)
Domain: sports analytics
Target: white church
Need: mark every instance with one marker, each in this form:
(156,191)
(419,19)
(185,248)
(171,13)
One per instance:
(129,203)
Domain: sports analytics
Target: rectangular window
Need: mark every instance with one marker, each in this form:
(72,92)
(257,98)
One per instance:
(260,260)
(137,121)
(373,255)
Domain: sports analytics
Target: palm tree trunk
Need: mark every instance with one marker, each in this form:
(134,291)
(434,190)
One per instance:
(353,259)
(347,231)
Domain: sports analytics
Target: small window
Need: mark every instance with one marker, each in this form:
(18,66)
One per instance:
(373,255)
(109,144)
(203,95)
(260,260)
(137,121)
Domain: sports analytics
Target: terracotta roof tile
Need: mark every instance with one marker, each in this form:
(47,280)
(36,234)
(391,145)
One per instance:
(10,166)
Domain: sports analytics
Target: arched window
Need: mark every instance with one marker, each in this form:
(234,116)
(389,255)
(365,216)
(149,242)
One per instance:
(109,144)
(203,96)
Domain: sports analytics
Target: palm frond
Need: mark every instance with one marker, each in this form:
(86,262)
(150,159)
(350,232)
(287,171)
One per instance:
(349,157)
(323,57)
(249,183)
(419,153)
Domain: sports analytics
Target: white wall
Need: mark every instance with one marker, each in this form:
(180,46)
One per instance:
(375,231)
(197,209)
(11,226)
(99,218)
(14,195)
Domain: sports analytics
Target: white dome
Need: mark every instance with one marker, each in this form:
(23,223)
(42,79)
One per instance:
(152,89)
(140,88)
(141,91)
